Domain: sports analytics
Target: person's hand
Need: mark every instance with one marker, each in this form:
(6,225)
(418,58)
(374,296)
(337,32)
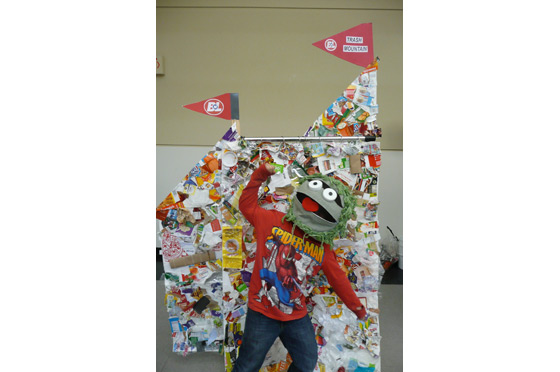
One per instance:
(365,313)
(270,168)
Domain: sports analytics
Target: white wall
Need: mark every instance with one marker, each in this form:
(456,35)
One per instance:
(174,162)
(391,192)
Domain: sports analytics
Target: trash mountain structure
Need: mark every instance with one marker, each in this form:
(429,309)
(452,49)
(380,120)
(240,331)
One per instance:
(209,248)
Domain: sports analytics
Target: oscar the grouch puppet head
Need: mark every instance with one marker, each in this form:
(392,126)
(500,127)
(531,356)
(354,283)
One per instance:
(321,207)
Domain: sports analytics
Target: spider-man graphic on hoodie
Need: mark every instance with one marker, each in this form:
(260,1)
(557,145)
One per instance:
(284,261)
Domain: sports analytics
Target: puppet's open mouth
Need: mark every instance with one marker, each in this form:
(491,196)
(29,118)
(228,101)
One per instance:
(312,206)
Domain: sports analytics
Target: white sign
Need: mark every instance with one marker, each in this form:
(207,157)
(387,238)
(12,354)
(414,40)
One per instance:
(354,39)
(355,48)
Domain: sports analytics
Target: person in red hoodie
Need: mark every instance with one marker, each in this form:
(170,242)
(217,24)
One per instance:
(291,248)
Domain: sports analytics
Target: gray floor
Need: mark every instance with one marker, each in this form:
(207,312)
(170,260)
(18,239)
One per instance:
(391,319)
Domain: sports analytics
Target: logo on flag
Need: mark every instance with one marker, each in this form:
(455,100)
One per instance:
(330,45)
(354,45)
(213,107)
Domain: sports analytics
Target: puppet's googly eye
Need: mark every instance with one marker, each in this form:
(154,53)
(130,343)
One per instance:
(330,194)
(315,184)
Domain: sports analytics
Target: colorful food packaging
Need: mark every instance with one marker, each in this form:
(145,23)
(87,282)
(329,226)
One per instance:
(232,247)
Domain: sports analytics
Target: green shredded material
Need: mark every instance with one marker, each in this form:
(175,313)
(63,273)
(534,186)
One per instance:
(347,212)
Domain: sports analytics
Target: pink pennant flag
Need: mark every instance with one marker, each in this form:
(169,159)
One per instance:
(354,45)
(225,106)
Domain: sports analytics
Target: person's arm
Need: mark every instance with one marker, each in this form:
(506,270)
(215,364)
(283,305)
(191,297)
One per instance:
(341,285)
(248,202)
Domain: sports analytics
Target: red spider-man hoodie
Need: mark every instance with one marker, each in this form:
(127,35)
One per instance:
(285,260)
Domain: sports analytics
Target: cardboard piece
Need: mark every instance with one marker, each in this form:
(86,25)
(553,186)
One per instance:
(193,259)
(355,164)
(284,190)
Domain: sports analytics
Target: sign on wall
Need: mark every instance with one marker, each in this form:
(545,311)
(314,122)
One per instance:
(354,45)
(159,65)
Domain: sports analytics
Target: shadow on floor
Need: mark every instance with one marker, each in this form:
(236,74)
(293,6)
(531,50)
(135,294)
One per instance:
(393,275)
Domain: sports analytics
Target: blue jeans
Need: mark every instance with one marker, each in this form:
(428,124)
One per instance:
(298,336)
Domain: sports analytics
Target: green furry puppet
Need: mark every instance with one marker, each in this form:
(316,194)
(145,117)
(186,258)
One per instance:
(321,207)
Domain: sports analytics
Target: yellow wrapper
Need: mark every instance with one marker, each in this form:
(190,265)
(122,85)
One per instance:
(168,201)
(236,196)
(232,247)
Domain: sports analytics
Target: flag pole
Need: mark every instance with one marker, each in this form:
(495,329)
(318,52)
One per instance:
(237,126)
(234,101)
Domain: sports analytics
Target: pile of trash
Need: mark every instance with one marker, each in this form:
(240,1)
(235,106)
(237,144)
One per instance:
(209,248)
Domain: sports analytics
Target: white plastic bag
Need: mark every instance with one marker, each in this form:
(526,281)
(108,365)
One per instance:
(390,249)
